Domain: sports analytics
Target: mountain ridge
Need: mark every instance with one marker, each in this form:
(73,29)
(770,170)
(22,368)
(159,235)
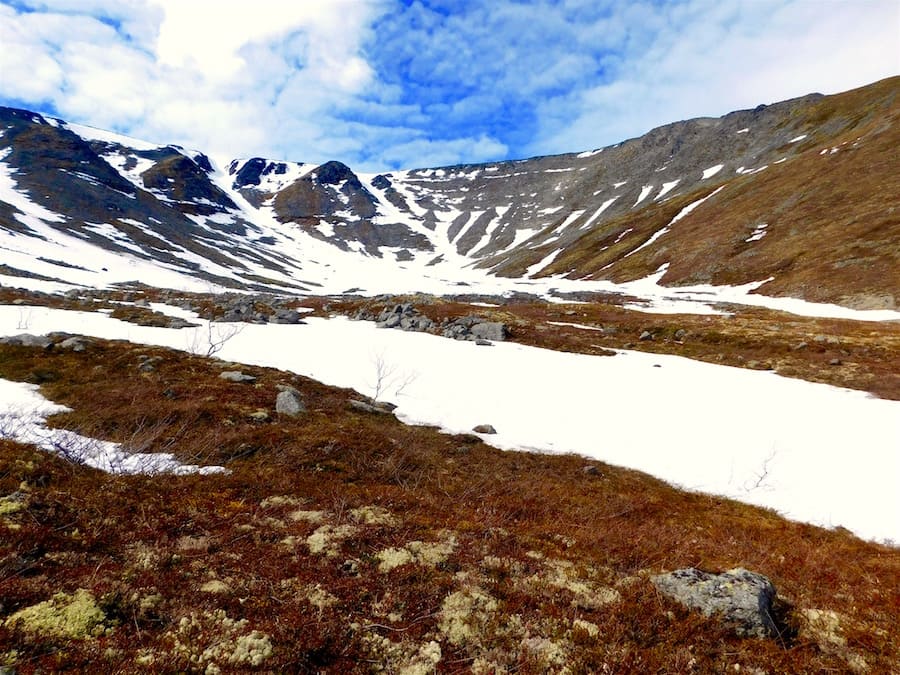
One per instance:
(796,194)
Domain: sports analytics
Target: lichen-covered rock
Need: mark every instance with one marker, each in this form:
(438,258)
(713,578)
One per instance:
(740,597)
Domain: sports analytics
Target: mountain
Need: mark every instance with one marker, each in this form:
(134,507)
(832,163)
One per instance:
(800,195)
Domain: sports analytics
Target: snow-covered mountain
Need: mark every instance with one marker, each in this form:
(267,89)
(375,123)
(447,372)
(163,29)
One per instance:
(800,195)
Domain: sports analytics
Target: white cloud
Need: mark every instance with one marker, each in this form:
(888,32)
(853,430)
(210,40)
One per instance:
(712,58)
(378,84)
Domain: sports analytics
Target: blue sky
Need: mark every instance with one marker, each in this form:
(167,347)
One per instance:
(386,84)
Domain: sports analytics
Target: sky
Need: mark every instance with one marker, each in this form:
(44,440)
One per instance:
(390,84)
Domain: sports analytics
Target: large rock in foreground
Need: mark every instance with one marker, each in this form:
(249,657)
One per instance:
(739,597)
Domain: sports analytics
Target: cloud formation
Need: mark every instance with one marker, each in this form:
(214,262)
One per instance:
(383,84)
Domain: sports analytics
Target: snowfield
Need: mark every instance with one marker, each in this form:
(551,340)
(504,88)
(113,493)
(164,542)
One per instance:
(812,452)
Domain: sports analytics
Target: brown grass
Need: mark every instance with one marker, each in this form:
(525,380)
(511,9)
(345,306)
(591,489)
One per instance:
(145,546)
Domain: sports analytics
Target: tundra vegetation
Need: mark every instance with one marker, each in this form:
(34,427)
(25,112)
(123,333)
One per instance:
(341,540)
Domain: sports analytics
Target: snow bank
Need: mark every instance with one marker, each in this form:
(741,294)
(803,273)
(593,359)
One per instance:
(812,452)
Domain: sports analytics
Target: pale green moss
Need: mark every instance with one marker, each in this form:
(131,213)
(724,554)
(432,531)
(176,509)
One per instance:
(213,640)
(314,517)
(825,627)
(550,654)
(75,616)
(280,500)
(327,539)
(465,615)
(563,575)
(428,554)
(404,657)
(318,597)
(215,586)
(374,515)
(592,629)
(10,506)
(391,558)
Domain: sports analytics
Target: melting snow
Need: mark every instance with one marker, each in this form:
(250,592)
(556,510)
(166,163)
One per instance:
(645,190)
(589,153)
(23,413)
(758,233)
(799,138)
(712,171)
(667,187)
(681,214)
(538,266)
(605,205)
(797,463)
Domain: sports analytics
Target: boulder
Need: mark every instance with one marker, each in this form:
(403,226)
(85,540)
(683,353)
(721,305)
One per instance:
(75,344)
(290,316)
(739,597)
(489,330)
(484,429)
(28,340)
(288,402)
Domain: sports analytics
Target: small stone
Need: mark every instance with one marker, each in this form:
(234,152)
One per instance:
(591,470)
(259,416)
(646,335)
(835,362)
(484,343)
(362,406)
(484,429)
(680,334)
(236,376)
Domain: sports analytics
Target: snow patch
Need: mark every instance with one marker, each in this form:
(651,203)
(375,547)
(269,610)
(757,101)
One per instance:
(666,188)
(645,191)
(758,233)
(23,417)
(711,171)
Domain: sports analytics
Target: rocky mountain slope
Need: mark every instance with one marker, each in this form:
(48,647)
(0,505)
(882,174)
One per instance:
(801,193)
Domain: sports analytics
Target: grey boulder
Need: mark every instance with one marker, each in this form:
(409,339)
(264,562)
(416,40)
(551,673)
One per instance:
(741,598)
(288,402)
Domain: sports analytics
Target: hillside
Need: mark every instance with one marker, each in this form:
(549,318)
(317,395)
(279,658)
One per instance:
(272,416)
